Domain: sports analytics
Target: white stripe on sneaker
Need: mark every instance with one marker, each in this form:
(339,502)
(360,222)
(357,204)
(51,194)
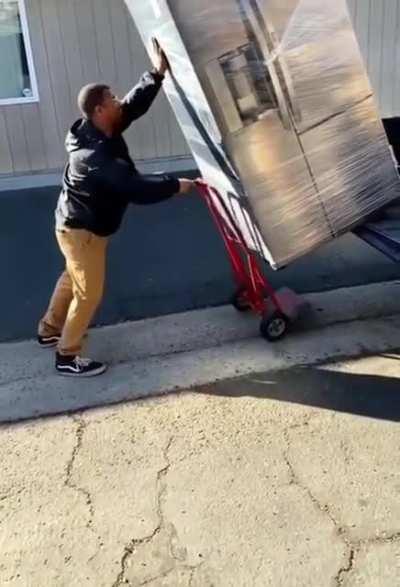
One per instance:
(92,373)
(69,368)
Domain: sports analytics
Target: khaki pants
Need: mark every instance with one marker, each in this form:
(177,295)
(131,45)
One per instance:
(79,290)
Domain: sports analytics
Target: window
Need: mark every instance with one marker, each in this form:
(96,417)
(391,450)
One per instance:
(17,76)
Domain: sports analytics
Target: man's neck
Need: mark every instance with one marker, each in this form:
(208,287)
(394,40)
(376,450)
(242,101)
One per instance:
(103,127)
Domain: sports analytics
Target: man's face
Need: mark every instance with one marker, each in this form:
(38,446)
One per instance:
(110,111)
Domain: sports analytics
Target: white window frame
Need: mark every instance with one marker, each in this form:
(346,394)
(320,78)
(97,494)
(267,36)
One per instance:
(29,57)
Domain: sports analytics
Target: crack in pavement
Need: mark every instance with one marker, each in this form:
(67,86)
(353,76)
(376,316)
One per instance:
(340,576)
(356,546)
(353,546)
(294,480)
(340,531)
(161,487)
(129,550)
(161,525)
(80,429)
(383,539)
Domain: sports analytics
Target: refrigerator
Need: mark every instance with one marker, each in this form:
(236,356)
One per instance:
(276,106)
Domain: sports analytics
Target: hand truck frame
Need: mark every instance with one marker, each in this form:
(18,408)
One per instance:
(253,291)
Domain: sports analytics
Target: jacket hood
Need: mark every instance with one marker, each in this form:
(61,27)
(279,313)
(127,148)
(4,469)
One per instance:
(82,134)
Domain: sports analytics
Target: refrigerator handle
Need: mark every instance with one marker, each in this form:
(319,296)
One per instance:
(247,9)
(287,79)
(281,80)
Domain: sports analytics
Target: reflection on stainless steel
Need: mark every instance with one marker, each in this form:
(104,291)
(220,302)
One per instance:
(278,89)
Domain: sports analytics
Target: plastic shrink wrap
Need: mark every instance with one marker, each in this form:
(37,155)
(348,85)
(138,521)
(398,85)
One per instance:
(276,106)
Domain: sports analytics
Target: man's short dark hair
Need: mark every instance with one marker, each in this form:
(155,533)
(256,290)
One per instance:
(89,97)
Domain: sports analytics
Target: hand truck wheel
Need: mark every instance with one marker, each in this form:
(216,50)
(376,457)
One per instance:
(274,327)
(240,301)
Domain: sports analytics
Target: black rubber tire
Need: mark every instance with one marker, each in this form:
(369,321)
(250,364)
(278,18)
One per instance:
(275,327)
(239,302)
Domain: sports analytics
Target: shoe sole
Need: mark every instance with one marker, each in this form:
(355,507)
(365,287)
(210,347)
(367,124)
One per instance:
(93,373)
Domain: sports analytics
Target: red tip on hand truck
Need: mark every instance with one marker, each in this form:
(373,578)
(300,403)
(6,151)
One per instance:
(276,308)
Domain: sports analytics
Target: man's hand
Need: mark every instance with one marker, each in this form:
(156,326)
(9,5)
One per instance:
(186,185)
(160,60)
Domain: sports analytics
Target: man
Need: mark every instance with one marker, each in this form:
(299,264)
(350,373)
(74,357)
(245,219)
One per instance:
(99,182)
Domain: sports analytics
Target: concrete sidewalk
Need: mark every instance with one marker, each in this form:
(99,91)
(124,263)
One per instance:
(287,478)
(160,355)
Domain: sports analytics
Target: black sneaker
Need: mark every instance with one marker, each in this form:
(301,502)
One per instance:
(78,367)
(47,342)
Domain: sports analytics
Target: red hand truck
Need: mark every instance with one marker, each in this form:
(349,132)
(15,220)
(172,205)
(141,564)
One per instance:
(254,292)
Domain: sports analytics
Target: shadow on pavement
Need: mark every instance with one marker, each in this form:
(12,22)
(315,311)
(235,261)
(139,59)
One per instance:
(370,395)
(368,386)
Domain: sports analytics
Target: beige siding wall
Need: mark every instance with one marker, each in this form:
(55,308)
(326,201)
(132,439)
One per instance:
(377,24)
(75,42)
(78,41)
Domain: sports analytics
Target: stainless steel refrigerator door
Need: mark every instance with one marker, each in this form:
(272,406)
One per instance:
(291,215)
(350,159)
(210,32)
(317,46)
(332,106)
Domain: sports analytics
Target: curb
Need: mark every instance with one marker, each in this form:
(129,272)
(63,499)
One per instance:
(180,352)
(202,329)
(213,327)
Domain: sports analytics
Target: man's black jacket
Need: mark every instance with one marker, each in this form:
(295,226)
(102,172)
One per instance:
(100,179)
